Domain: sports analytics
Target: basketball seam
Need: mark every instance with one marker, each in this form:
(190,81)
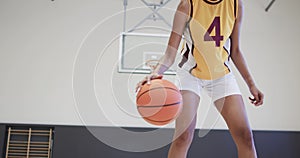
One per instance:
(138,97)
(157,120)
(156,106)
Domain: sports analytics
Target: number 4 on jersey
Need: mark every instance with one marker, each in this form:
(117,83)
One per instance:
(216,25)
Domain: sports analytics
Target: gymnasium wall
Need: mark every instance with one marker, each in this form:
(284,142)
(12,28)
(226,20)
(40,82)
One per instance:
(58,64)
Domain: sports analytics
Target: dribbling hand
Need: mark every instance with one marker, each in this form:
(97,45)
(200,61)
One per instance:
(147,80)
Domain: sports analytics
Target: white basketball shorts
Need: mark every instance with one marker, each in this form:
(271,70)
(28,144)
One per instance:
(216,89)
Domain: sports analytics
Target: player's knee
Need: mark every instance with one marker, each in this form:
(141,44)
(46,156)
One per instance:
(246,137)
(185,139)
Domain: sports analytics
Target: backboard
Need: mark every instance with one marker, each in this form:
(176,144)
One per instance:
(137,48)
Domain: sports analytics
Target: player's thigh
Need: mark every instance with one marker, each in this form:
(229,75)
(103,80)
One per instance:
(233,110)
(187,118)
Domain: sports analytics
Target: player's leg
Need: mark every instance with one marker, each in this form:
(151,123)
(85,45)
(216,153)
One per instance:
(232,109)
(185,125)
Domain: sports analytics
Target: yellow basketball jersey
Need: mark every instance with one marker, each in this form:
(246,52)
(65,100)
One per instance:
(207,48)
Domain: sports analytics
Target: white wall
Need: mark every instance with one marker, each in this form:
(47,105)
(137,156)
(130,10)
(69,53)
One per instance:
(48,50)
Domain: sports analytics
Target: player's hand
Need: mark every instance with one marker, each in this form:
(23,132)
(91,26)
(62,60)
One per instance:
(258,96)
(147,80)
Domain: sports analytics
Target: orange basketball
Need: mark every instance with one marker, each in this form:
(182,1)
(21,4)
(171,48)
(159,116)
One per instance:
(159,102)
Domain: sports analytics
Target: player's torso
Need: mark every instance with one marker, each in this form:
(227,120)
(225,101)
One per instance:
(206,52)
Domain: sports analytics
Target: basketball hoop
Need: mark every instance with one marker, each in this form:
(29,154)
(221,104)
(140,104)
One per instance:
(152,63)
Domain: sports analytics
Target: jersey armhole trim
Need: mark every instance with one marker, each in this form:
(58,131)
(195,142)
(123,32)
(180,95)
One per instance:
(190,10)
(236,8)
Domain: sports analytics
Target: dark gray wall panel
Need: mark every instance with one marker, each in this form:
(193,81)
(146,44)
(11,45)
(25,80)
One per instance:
(77,142)
(275,144)
(2,139)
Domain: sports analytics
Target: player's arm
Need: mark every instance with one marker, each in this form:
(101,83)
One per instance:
(239,61)
(180,20)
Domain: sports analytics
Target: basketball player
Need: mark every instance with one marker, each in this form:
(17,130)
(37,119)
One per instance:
(211,30)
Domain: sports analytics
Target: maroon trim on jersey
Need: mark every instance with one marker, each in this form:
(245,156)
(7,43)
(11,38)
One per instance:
(213,2)
(193,55)
(230,46)
(193,47)
(235,8)
(185,56)
(227,67)
(193,68)
(227,52)
(192,10)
